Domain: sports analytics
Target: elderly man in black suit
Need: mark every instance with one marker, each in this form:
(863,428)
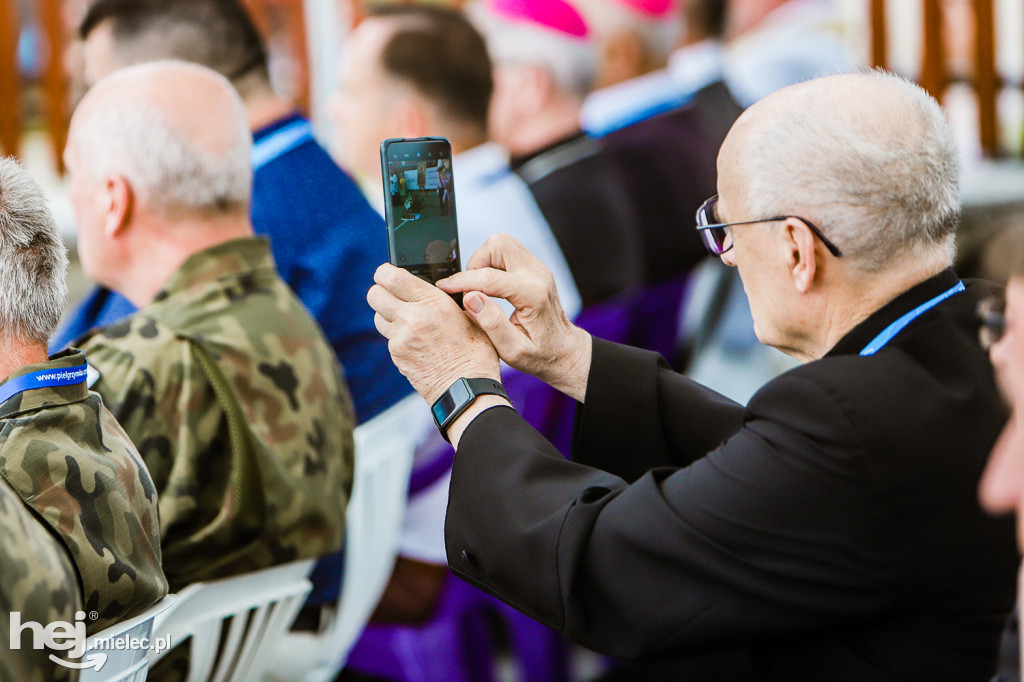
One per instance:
(831,526)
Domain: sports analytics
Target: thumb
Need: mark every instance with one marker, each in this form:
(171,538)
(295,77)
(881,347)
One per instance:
(505,337)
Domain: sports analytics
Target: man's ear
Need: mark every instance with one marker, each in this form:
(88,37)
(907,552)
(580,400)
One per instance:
(120,201)
(801,259)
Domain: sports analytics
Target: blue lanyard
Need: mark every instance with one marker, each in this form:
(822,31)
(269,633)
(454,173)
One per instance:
(896,327)
(44,378)
(280,142)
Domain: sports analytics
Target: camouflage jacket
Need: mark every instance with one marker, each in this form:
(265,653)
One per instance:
(67,458)
(37,581)
(238,407)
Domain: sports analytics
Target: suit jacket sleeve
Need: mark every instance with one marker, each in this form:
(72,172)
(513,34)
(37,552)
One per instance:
(673,420)
(754,539)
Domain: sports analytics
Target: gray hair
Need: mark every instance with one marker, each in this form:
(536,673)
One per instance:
(658,35)
(882,186)
(33,259)
(571,62)
(168,170)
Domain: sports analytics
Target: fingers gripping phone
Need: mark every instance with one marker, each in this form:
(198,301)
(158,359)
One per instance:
(419,207)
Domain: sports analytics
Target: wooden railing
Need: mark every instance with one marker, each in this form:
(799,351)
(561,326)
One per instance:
(10,78)
(935,74)
(279,20)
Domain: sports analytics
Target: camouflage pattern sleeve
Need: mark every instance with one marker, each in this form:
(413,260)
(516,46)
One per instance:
(68,459)
(37,582)
(265,485)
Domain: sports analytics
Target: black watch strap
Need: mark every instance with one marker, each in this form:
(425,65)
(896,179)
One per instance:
(460,396)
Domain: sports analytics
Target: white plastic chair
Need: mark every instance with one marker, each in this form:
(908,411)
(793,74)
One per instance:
(384,454)
(257,607)
(123,663)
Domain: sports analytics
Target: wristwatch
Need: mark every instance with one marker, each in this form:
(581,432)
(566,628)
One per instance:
(460,396)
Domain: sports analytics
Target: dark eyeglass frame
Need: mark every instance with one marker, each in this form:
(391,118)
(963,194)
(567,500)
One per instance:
(991,321)
(714,235)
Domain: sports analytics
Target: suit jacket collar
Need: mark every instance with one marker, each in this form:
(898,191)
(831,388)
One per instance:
(863,333)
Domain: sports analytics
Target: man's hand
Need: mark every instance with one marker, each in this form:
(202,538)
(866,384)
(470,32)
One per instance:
(538,338)
(432,342)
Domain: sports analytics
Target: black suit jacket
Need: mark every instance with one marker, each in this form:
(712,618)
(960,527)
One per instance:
(581,193)
(831,527)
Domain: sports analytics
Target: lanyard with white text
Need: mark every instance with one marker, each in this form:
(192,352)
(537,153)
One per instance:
(280,142)
(896,327)
(44,378)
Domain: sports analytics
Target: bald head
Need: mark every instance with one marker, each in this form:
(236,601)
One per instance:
(869,157)
(177,132)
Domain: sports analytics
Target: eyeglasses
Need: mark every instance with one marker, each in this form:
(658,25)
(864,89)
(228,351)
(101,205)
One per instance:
(992,318)
(717,239)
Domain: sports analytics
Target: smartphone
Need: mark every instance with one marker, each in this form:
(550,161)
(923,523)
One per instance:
(419,207)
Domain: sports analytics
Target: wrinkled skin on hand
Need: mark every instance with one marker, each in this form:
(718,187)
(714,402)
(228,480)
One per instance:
(538,338)
(431,340)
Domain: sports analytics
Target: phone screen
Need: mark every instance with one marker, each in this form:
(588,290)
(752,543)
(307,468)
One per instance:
(422,229)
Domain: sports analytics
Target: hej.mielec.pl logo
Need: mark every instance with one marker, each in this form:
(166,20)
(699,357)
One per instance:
(70,637)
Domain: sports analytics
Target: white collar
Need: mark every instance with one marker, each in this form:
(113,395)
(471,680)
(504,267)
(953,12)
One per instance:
(480,164)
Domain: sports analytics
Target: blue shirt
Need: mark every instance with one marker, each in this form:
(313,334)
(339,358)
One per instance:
(327,241)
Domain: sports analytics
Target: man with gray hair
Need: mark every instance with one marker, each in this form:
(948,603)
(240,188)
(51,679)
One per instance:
(221,378)
(829,528)
(78,509)
(325,237)
(545,62)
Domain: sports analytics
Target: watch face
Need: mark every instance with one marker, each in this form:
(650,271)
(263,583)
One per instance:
(453,398)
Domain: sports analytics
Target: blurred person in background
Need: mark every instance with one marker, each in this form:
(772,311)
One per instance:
(634,39)
(221,377)
(415,71)
(545,63)
(1002,486)
(664,146)
(775,43)
(697,65)
(79,522)
(325,237)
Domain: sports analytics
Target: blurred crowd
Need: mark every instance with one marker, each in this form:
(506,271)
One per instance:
(209,383)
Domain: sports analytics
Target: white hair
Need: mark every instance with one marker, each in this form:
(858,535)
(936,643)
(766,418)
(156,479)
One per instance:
(658,35)
(33,259)
(166,167)
(571,62)
(882,185)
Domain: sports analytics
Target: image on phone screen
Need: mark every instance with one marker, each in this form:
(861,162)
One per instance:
(422,228)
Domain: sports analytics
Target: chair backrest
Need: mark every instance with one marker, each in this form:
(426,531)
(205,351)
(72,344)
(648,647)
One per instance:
(123,647)
(384,454)
(257,608)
